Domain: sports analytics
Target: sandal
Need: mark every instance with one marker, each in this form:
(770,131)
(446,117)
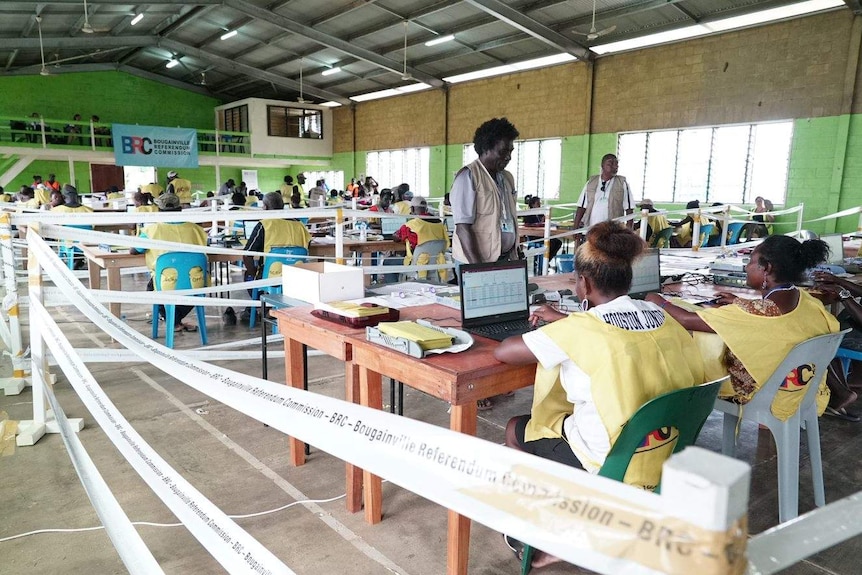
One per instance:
(189,327)
(842,413)
(514,546)
(178,328)
(484,404)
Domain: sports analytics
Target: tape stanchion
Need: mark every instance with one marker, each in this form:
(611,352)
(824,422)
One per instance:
(505,489)
(132,550)
(229,544)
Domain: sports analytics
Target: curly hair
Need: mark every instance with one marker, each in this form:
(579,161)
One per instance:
(789,257)
(489,134)
(607,255)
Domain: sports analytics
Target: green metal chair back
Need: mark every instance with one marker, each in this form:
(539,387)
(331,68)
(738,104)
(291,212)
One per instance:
(686,410)
(662,238)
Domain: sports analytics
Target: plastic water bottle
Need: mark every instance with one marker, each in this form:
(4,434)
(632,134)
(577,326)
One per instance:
(363,230)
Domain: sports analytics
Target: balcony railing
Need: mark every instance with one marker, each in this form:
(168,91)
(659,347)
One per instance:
(33,132)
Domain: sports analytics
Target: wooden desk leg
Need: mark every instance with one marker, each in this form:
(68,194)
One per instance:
(115,283)
(463,419)
(371,395)
(294,366)
(95,271)
(353,473)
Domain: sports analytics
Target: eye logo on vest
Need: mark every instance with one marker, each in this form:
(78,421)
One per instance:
(658,438)
(799,378)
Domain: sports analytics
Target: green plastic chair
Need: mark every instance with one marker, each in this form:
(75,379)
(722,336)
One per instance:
(661,239)
(685,410)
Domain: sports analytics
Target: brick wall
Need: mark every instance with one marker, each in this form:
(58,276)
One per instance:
(413,120)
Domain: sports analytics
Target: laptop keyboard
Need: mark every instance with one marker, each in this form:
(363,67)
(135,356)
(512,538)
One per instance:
(502,330)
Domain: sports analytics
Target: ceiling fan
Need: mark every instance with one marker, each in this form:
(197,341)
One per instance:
(44,70)
(300,100)
(87,28)
(593,33)
(405,75)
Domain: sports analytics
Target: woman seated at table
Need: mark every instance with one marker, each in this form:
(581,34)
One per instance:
(685,227)
(538,220)
(754,336)
(764,219)
(598,367)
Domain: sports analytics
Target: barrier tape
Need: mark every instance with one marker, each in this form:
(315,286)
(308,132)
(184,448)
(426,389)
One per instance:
(132,550)
(229,544)
(107,355)
(500,487)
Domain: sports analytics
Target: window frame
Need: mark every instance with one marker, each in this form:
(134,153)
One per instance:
(543,174)
(419,164)
(301,128)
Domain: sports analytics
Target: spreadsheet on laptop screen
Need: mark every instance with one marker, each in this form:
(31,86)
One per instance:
(491,292)
(836,248)
(646,274)
(389,226)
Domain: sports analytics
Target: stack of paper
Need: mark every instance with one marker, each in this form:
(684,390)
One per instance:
(353,309)
(426,337)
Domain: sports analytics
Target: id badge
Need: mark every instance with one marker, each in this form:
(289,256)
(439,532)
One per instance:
(506,226)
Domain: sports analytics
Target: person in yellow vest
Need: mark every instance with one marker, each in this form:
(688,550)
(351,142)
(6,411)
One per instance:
(656,222)
(419,231)
(403,196)
(71,202)
(4,197)
(180,232)
(143,204)
(268,234)
(181,187)
(748,339)
(153,189)
(597,367)
(685,227)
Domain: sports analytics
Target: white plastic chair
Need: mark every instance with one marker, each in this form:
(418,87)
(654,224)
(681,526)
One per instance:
(817,351)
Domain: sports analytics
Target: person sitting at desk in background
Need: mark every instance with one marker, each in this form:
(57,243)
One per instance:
(4,197)
(370,186)
(180,232)
(685,227)
(52,183)
(56,199)
(764,226)
(420,230)
(181,187)
(537,221)
(401,199)
(227,188)
(40,191)
(296,201)
(352,188)
(605,196)
(754,336)
(334,198)
(383,205)
(143,203)
(71,202)
(153,190)
(237,201)
(26,198)
(596,369)
(835,289)
(266,235)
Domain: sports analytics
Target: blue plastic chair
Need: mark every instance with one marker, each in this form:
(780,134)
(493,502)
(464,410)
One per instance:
(272,268)
(67,251)
(705,230)
(734,231)
(846,356)
(184,263)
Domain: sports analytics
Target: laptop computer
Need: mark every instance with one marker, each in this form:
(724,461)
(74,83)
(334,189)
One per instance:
(836,248)
(388,226)
(646,275)
(494,299)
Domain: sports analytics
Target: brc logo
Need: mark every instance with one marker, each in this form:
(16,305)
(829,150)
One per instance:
(136,144)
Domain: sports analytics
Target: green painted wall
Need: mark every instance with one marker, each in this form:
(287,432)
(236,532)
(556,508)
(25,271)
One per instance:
(113,96)
(812,154)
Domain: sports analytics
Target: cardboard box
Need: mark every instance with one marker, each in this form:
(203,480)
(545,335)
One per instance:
(323,282)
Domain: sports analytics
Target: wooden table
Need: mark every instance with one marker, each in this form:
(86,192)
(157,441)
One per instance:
(460,379)
(300,328)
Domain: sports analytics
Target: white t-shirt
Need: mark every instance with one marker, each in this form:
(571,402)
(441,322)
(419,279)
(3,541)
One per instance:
(584,428)
(600,201)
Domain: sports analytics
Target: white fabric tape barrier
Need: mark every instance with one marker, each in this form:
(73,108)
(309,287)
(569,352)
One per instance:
(130,547)
(229,544)
(107,355)
(590,520)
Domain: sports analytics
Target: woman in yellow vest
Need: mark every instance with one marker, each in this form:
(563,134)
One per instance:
(599,366)
(685,228)
(754,336)
(420,230)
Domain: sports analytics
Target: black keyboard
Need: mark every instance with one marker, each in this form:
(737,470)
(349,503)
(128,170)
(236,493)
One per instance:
(502,330)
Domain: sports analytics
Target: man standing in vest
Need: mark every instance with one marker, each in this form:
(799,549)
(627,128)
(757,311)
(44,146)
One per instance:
(181,187)
(605,196)
(483,198)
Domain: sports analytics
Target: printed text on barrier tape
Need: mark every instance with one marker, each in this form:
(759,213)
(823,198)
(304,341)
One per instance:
(436,463)
(229,544)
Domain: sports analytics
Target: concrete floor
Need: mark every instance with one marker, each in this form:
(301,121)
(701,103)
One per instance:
(242,467)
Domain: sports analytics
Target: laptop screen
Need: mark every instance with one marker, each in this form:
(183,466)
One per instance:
(836,248)
(391,225)
(493,292)
(646,274)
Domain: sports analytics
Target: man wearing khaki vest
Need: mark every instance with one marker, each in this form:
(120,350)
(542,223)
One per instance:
(605,196)
(483,198)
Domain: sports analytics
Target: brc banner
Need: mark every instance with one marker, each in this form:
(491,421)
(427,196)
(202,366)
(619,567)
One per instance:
(155,146)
